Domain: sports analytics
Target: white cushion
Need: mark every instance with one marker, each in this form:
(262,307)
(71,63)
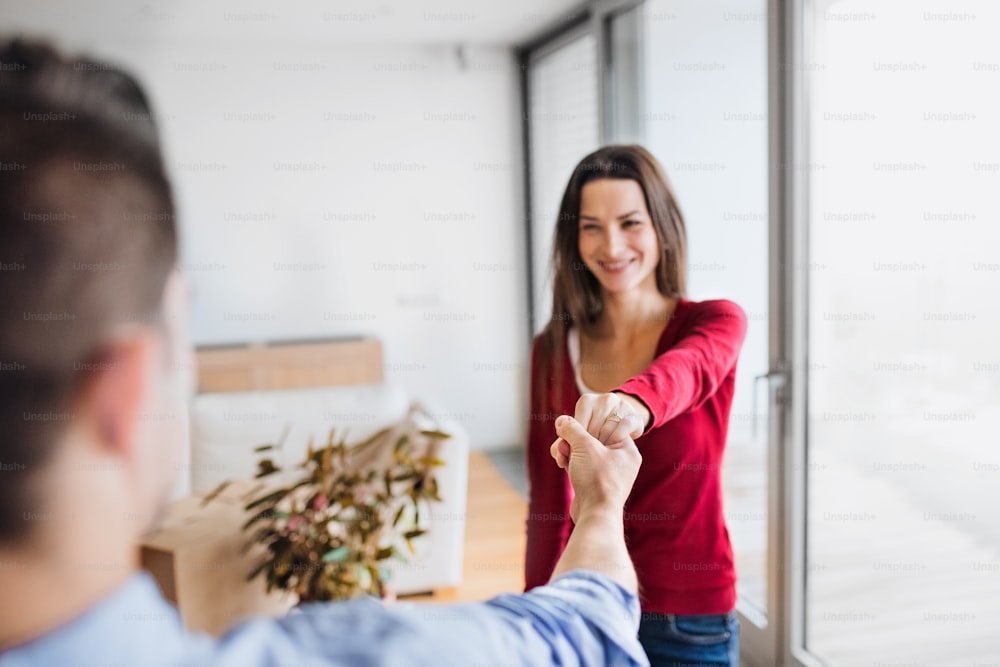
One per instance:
(225,428)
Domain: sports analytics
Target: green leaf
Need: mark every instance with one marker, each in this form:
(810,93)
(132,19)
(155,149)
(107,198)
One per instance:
(375,438)
(263,565)
(266,467)
(264,535)
(273,496)
(338,555)
(432,490)
(267,513)
(399,515)
(215,493)
(431,461)
(434,433)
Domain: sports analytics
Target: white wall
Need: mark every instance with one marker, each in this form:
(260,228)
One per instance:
(378,195)
(338,190)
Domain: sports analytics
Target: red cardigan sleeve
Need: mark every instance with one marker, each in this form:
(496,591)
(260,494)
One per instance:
(689,373)
(550,492)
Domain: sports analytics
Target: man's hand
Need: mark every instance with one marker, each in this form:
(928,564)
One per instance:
(612,418)
(602,476)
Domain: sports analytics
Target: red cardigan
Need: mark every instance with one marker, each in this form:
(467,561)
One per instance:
(674,524)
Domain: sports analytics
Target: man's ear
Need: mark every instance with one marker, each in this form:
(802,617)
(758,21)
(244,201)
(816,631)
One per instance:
(121,378)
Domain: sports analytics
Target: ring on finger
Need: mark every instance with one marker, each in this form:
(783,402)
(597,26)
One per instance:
(615,416)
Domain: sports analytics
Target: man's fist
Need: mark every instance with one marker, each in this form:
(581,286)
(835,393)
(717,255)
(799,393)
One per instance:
(602,476)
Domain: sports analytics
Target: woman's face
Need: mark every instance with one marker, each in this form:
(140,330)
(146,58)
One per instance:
(616,237)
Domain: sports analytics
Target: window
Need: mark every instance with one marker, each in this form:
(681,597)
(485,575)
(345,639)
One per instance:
(563,126)
(903,551)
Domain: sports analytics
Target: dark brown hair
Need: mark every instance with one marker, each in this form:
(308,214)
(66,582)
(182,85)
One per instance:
(88,238)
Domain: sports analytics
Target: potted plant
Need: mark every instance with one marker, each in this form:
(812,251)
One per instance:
(329,526)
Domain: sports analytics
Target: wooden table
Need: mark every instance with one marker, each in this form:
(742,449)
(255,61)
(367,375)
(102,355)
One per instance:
(494,537)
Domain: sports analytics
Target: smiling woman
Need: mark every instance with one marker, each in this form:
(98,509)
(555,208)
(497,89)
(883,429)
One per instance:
(628,355)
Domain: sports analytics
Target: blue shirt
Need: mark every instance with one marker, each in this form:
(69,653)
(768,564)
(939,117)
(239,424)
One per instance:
(582,618)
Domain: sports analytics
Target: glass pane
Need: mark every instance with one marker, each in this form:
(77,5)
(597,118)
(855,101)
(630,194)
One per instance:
(563,127)
(705,119)
(625,76)
(903,552)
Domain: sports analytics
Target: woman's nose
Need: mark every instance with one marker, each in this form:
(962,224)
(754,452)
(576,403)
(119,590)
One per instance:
(614,241)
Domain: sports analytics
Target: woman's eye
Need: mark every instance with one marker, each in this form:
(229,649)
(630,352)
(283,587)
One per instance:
(632,223)
(588,227)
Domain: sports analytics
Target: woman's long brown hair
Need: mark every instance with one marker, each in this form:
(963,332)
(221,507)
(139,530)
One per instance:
(576,292)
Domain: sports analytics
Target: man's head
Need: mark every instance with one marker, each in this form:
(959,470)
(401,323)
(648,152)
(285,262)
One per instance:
(88,248)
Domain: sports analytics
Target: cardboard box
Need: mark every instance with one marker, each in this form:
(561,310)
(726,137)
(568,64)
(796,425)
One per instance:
(195,557)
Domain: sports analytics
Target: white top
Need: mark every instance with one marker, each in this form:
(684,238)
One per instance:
(573,345)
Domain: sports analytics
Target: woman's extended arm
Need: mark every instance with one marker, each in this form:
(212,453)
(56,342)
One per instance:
(679,379)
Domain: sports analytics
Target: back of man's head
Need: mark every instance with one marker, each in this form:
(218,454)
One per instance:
(87,241)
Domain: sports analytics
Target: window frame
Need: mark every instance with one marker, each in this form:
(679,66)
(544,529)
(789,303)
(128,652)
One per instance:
(593,18)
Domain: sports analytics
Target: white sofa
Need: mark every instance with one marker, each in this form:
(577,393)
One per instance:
(227,426)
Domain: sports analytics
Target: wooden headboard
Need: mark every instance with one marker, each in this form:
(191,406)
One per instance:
(291,365)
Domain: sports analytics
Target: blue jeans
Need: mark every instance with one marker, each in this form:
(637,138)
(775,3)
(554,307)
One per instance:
(691,641)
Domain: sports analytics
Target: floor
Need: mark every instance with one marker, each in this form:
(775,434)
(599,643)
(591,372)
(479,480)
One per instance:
(510,464)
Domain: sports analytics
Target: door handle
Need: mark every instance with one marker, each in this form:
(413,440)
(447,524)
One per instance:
(776,384)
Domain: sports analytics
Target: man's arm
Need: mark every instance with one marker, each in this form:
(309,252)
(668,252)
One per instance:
(602,478)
